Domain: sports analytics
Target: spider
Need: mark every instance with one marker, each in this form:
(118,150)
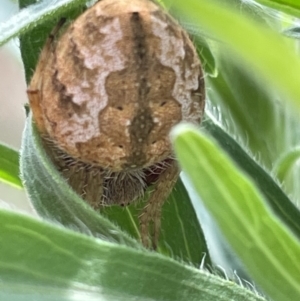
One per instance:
(106,93)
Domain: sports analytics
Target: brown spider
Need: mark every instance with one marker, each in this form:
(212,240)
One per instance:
(104,97)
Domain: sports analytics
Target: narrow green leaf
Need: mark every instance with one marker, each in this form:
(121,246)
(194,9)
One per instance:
(243,102)
(276,198)
(181,235)
(54,200)
(254,233)
(265,51)
(39,261)
(9,166)
(34,15)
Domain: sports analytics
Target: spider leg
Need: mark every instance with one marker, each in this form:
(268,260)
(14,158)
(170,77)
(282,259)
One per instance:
(151,213)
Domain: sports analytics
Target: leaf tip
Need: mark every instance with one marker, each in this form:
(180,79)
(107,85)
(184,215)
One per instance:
(181,129)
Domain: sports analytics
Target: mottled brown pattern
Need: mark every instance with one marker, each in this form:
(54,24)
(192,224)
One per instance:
(105,96)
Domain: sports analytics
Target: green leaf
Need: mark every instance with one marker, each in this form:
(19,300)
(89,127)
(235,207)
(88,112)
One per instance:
(9,166)
(276,198)
(243,103)
(255,234)
(264,51)
(182,235)
(39,261)
(33,15)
